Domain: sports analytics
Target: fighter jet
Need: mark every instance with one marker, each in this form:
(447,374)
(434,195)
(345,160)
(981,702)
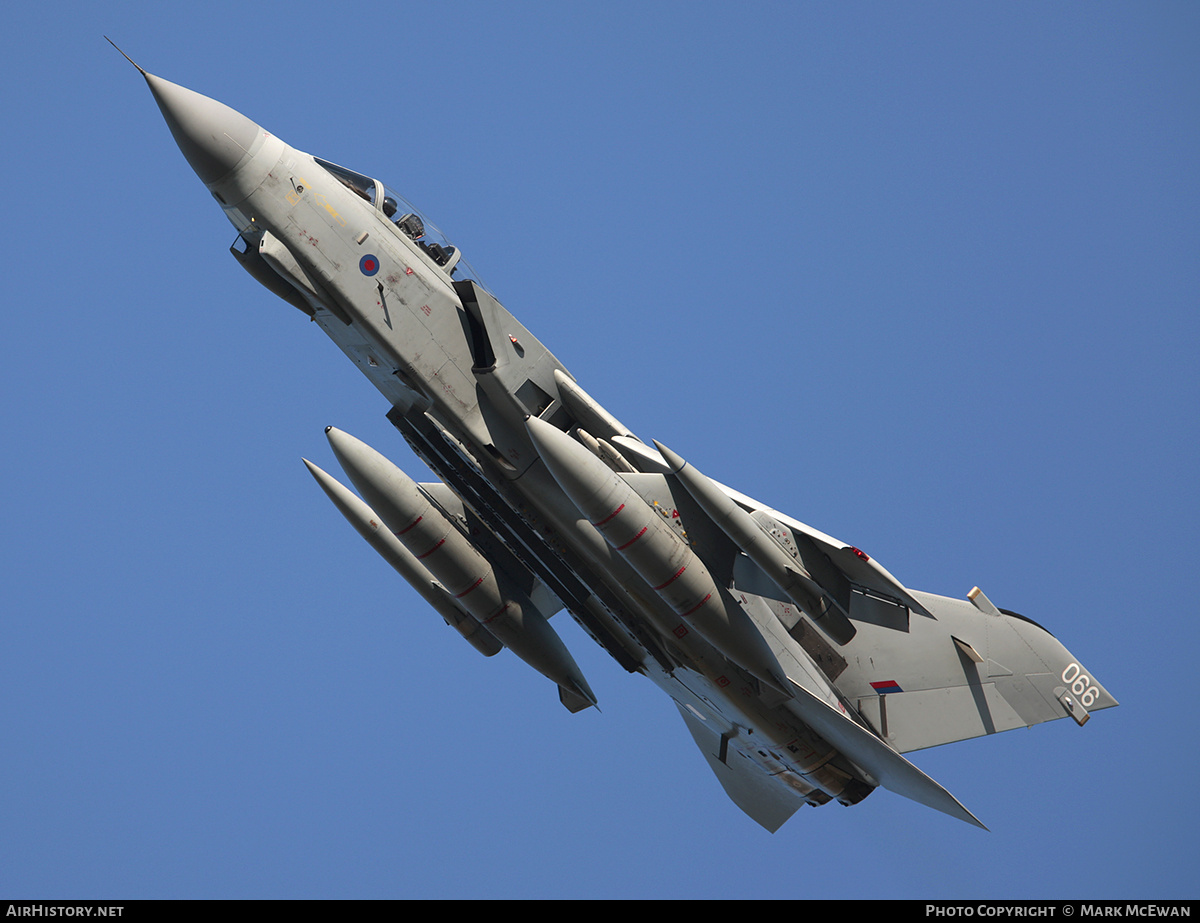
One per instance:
(802,668)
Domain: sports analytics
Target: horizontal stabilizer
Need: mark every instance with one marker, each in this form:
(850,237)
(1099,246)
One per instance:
(763,799)
(873,755)
(972,670)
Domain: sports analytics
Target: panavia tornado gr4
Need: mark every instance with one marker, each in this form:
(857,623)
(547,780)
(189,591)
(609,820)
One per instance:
(803,669)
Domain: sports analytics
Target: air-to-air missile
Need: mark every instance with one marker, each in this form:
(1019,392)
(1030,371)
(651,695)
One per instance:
(801,667)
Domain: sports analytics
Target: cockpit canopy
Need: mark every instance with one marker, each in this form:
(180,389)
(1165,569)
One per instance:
(405,220)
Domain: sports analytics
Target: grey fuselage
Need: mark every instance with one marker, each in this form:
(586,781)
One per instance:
(789,707)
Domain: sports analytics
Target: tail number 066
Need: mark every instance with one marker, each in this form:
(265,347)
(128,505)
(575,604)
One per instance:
(1081,684)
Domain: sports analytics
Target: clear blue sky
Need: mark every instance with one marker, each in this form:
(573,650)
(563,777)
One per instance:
(925,276)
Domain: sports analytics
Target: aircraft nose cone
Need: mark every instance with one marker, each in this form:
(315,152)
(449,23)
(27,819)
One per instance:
(213,137)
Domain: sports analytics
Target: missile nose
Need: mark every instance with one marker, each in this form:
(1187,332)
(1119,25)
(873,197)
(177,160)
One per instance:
(340,441)
(677,464)
(213,137)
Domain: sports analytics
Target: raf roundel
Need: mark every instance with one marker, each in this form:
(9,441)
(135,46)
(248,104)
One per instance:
(369,264)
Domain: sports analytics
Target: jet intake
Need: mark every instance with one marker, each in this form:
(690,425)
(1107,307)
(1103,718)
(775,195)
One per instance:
(252,261)
(276,255)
